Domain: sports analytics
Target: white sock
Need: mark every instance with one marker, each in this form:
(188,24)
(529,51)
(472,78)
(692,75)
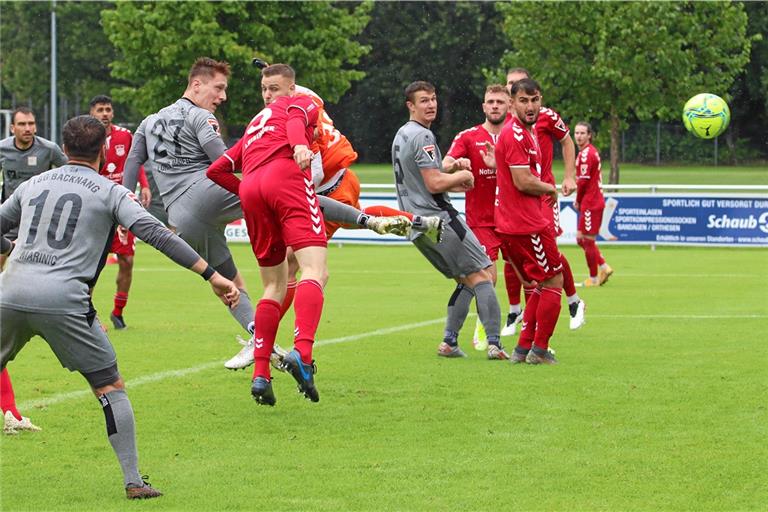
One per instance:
(514,308)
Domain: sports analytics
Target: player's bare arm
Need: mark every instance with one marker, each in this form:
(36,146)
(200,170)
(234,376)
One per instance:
(438,182)
(569,158)
(530,184)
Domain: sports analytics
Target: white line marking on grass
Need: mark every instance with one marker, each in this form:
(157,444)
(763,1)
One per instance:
(682,317)
(156,377)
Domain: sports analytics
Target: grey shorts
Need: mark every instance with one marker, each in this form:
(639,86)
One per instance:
(78,346)
(200,216)
(458,255)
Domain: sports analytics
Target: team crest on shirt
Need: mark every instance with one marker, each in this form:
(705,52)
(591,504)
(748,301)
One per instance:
(214,124)
(430,151)
(32,160)
(120,149)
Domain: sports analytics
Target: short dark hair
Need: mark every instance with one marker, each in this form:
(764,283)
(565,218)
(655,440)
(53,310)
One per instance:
(21,110)
(83,137)
(205,66)
(100,99)
(417,86)
(283,70)
(527,85)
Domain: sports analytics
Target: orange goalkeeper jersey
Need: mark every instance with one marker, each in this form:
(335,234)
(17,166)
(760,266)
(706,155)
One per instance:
(335,149)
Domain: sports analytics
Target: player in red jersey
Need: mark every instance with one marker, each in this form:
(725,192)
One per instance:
(476,145)
(281,209)
(526,231)
(550,126)
(117,146)
(590,204)
(13,421)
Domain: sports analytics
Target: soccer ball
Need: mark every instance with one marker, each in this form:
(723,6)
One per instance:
(706,115)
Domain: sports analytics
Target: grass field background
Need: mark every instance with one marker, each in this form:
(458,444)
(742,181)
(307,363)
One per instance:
(659,402)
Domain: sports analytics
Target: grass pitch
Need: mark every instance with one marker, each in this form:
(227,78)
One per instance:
(658,403)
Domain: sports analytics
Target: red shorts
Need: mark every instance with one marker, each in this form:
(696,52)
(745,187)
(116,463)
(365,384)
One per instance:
(489,240)
(552,214)
(280,210)
(348,192)
(535,256)
(590,220)
(124,249)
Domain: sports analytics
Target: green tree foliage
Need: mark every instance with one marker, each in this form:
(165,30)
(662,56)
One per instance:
(613,62)
(445,43)
(83,52)
(158,42)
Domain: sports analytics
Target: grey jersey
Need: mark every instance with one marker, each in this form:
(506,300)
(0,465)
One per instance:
(174,139)
(66,219)
(20,165)
(414,149)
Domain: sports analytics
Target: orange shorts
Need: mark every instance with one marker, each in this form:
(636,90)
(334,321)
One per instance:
(347,192)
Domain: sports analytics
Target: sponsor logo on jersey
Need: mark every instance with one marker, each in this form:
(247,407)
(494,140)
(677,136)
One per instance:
(120,150)
(31,160)
(430,151)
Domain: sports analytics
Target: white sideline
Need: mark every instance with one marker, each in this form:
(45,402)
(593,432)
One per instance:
(156,377)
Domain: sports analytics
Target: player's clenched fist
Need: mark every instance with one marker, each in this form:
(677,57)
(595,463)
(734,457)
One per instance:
(225,290)
(302,155)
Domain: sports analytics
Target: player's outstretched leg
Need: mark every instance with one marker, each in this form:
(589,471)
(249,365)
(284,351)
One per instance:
(13,421)
(458,309)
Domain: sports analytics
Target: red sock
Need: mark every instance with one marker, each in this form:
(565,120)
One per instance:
(591,252)
(546,315)
(7,399)
(528,328)
(512,283)
(288,300)
(568,285)
(266,323)
(600,259)
(308,307)
(528,291)
(385,211)
(121,299)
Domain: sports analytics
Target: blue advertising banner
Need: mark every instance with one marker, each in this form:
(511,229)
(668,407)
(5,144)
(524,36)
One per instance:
(628,218)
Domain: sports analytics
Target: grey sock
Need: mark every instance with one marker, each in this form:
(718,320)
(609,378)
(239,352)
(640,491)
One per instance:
(488,310)
(244,312)
(335,211)
(458,308)
(121,433)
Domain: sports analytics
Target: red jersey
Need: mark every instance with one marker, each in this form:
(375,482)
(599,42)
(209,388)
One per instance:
(117,146)
(548,125)
(480,200)
(517,213)
(265,139)
(589,179)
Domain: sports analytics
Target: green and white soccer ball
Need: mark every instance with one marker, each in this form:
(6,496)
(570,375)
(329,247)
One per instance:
(706,115)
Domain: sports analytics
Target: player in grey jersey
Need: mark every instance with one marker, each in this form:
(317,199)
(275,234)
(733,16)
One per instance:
(67,218)
(24,155)
(176,145)
(422,186)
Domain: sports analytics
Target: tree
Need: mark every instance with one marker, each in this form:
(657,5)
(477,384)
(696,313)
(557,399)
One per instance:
(83,53)
(446,43)
(619,61)
(158,41)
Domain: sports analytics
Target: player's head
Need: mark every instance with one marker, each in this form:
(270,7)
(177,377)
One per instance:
(526,96)
(23,126)
(277,80)
(421,100)
(207,83)
(515,75)
(496,104)
(583,133)
(101,109)
(83,138)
